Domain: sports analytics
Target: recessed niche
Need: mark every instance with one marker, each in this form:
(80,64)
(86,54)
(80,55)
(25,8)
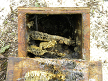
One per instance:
(54,33)
(63,35)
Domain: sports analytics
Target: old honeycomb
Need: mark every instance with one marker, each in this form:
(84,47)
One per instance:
(54,36)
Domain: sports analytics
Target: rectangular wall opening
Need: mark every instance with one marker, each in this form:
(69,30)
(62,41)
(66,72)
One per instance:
(54,35)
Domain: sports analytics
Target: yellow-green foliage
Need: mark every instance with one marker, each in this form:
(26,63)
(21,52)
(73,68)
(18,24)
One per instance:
(3,49)
(37,5)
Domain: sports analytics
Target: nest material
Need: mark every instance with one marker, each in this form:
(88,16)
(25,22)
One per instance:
(43,76)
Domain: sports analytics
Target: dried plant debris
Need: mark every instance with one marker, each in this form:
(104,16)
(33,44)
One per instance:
(8,41)
(3,68)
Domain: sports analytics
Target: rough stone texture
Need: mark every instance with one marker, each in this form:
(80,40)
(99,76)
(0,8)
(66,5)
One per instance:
(98,25)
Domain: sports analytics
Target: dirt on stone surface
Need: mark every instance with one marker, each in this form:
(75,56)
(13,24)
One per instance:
(9,33)
(8,42)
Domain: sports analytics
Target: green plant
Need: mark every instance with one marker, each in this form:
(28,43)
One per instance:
(2,43)
(93,11)
(3,49)
(5,22)
(12,18)
(37,5)
(12,33)
(2,32)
